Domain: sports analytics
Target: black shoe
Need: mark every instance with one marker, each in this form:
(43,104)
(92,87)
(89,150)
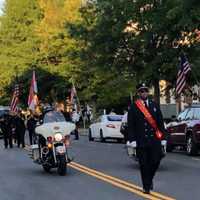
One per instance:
(145,191)
(151,187)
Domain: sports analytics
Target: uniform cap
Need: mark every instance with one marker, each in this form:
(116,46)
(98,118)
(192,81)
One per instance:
(142,86)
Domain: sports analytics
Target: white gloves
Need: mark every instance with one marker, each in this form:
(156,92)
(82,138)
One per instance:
(131,144)
(164,142)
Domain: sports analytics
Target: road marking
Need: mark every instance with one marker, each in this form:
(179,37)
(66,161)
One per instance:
(119,183)
(116,182)
(197,159)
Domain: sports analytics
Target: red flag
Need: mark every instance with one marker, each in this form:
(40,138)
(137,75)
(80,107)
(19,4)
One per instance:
(74,99)
(32,98)
(15,99)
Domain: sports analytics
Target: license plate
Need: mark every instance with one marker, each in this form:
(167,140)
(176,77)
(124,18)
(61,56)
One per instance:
(60,149)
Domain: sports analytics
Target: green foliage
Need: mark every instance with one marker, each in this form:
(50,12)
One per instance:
(18,43)
(105,47)
(143,38)
(32,34)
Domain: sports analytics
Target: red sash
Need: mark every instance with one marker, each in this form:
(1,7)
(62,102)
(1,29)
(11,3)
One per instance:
(149,118)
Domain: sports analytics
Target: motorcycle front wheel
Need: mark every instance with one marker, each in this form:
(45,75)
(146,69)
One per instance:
(62,166)
(46,168)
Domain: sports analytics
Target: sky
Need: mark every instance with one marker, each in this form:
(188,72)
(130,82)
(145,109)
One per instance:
(1,5)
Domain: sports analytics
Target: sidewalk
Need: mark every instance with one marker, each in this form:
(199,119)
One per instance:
(83,131)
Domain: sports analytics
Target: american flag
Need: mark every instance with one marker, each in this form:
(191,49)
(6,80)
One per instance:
(182,73)
(15,99)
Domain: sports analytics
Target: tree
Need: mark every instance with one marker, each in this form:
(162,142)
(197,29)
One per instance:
(142,38)
(19,45)
(33,35)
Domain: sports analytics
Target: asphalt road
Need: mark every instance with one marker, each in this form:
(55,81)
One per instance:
(20,178)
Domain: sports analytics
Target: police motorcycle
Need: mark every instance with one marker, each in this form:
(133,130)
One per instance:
(53,141)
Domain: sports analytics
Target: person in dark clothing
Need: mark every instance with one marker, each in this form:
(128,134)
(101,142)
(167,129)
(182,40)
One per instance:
(20,130)
(75,119)
(124,127)
(146,136)
(31,124)
(12,127)
(7,135)
(66,115)
(76,133)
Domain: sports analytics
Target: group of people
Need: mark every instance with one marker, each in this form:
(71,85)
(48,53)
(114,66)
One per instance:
(14,126)
(144,131)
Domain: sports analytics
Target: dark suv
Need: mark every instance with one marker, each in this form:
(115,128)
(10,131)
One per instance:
(185,131)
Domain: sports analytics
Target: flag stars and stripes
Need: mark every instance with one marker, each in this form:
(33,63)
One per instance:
(15,99)
(182,74)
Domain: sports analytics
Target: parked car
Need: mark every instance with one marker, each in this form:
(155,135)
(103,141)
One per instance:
(185,131)
(106,127)
(3,110)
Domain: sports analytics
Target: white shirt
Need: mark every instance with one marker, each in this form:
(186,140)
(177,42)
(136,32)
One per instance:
(75,117)
(147,102)
(125,118)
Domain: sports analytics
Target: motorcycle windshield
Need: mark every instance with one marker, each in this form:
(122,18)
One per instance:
(54,122)
(51,128)
(53,116)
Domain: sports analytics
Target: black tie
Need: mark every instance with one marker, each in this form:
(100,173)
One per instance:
(145,103)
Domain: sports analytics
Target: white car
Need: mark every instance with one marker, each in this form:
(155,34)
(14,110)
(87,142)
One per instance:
(106,127)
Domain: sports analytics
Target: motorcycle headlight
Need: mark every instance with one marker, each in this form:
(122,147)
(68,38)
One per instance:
(58,137)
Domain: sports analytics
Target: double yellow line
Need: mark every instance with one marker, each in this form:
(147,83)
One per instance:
(119,183)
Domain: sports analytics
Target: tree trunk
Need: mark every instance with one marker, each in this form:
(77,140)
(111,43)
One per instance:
(167,95)
(157,91)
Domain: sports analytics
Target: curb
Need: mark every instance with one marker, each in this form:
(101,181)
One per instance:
(83,132)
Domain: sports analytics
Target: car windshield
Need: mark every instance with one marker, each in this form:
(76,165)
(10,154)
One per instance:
(114,118)
(53,116)
(3,112)
(196,113)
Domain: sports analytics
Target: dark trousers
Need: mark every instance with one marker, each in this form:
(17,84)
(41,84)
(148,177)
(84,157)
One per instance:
(8,140)
(31,136)
(20,139)
(149,161)
(125,136)
(76,134)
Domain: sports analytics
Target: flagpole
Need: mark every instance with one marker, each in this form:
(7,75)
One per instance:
(73,85)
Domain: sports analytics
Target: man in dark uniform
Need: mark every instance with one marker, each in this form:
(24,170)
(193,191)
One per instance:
(20,130)
(143,135)
(31,124)
(6,129)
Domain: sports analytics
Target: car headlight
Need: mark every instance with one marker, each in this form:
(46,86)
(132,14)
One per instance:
(58,137)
